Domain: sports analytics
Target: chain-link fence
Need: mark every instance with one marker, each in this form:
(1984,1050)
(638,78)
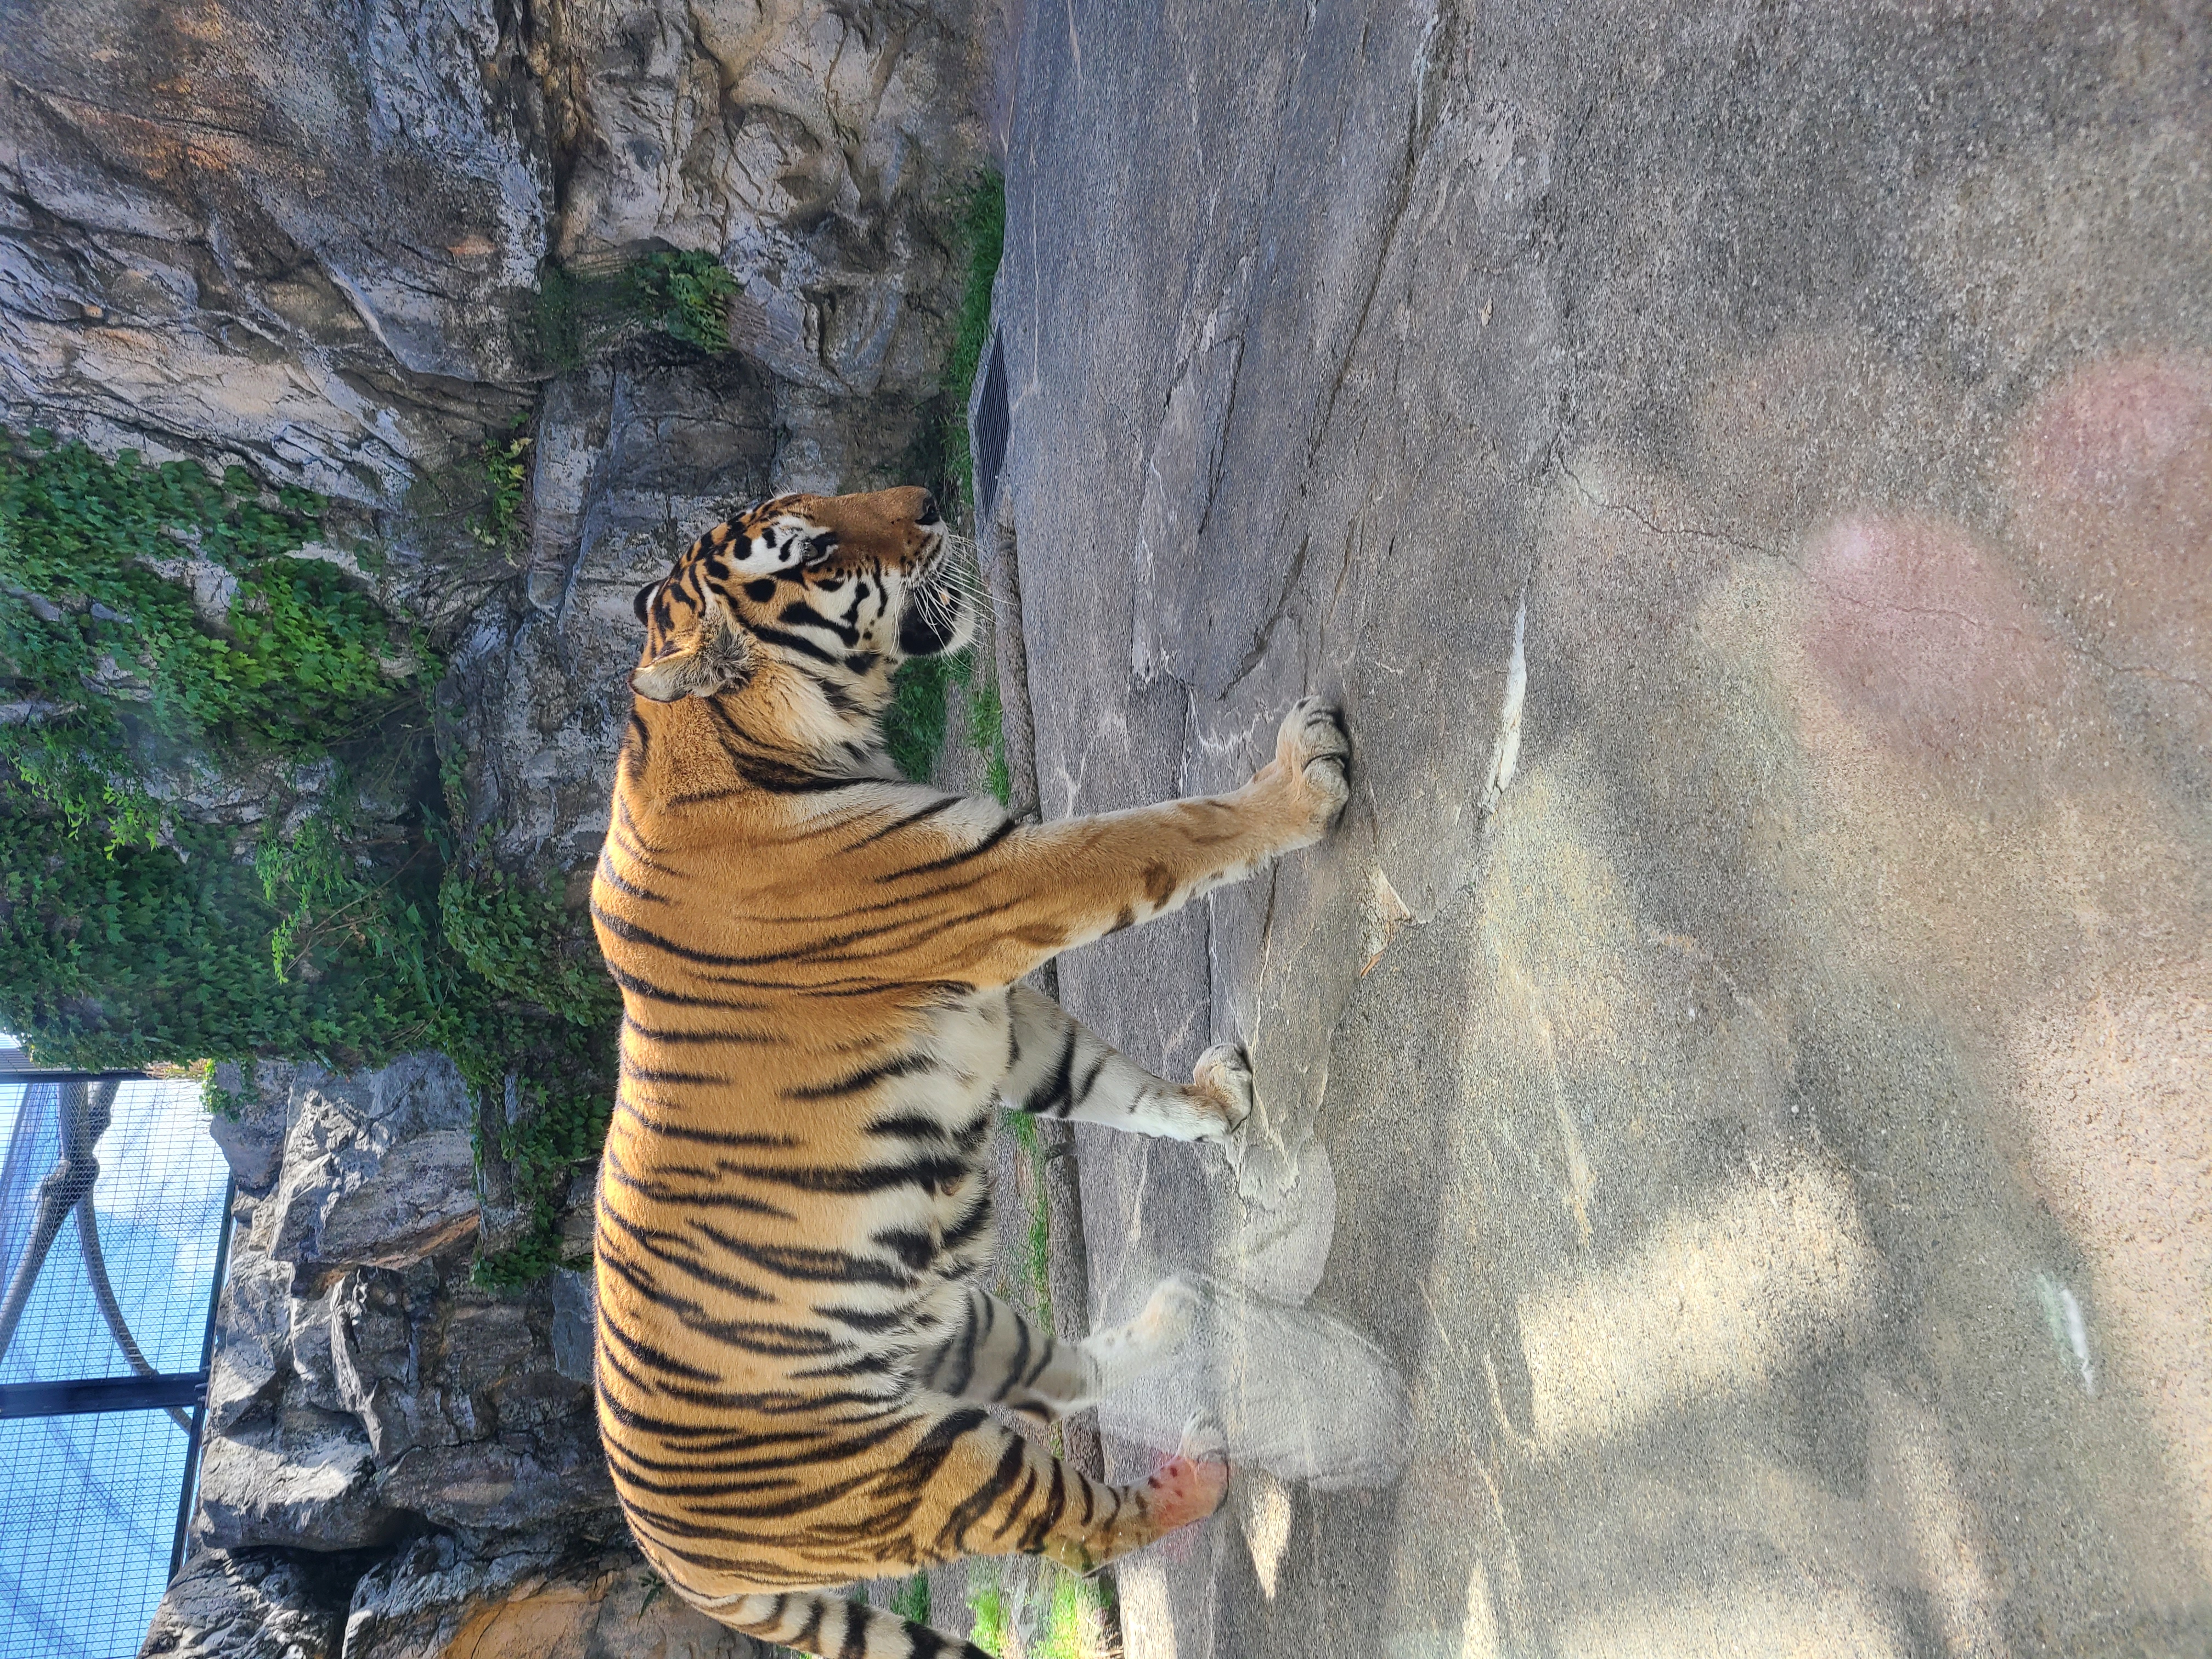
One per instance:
(112,1203)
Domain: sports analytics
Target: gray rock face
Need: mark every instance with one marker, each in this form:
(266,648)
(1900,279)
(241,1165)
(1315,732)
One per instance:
(310,238)
(349,1399)
(251,1604)
(1746,479)
(325,261)
(312,235)
(294,1477)
(253,1143)
(378,1168)
(576,1318)
(633,460)
(340,220)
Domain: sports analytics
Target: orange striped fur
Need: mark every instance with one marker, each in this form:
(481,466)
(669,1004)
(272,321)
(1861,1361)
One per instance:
(817,964)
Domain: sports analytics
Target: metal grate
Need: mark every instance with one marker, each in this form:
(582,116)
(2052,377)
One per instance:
(993,425)
(91,1497)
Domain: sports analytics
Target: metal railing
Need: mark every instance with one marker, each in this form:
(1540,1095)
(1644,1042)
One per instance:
(87,1374)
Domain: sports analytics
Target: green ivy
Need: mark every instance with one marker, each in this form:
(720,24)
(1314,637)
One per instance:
(129,940)
(686,295)
(586,309)
(130,956)
(117,670)
(911,1599)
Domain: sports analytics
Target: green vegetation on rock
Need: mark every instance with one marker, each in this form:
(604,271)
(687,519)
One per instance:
(157,634)
(506,483)
(980,239)
(588,308)
(1071,1625)
(156,613)
(915,726)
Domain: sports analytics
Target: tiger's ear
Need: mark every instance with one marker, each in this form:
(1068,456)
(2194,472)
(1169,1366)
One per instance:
(709,657)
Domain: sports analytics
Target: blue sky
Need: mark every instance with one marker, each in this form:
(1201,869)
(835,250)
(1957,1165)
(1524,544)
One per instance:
(87,1504)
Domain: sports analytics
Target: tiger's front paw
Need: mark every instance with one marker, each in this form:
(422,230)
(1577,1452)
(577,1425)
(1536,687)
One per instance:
(1313,756)
(1223,1075)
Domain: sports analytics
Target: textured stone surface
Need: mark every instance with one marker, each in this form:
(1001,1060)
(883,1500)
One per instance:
(350,1399)
(294,1477)
(633,460)
(378,1168)
(252,1142)
(1746,478)
(311,233)
(437,1601)
(252,1604)
(279,229)
(310,237)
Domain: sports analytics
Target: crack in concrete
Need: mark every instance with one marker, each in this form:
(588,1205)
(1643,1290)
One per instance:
(1606,505)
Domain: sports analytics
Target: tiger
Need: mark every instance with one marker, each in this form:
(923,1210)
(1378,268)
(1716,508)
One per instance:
(819,965)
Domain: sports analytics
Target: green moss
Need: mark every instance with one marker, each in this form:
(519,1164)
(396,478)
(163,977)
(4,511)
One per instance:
(585,309)
(911,1599)
(979,236)
(128,939)
(1038,1266)
(1074,1622)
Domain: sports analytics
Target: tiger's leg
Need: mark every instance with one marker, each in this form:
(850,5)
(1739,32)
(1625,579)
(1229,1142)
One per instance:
(995,1492)
(1059,1069)
(1001,907)
(996,1355)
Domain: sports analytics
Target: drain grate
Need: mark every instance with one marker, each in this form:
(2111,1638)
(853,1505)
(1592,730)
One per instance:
(991,425)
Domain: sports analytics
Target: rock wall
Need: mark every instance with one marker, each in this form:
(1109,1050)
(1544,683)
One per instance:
(398,1465)
(311,238)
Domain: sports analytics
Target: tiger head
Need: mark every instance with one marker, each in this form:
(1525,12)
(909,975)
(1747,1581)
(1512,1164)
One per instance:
(817,599)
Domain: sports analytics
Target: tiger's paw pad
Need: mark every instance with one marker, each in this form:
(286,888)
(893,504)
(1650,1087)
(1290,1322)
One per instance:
(1189,1485)
(1223,1075)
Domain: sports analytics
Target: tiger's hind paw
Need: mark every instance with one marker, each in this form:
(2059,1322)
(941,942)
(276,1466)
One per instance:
(1189,1485)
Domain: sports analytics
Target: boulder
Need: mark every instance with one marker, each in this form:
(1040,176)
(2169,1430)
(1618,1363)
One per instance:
(296,1478)
(437,1600)
(378,1166)
(252,1604)
(252,1141)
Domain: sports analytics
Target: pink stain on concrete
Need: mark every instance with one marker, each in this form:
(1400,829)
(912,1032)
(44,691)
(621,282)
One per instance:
(2110,484)
(1924,636)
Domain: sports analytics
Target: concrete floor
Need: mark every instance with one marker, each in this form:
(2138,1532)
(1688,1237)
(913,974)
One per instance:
(1734,1172)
